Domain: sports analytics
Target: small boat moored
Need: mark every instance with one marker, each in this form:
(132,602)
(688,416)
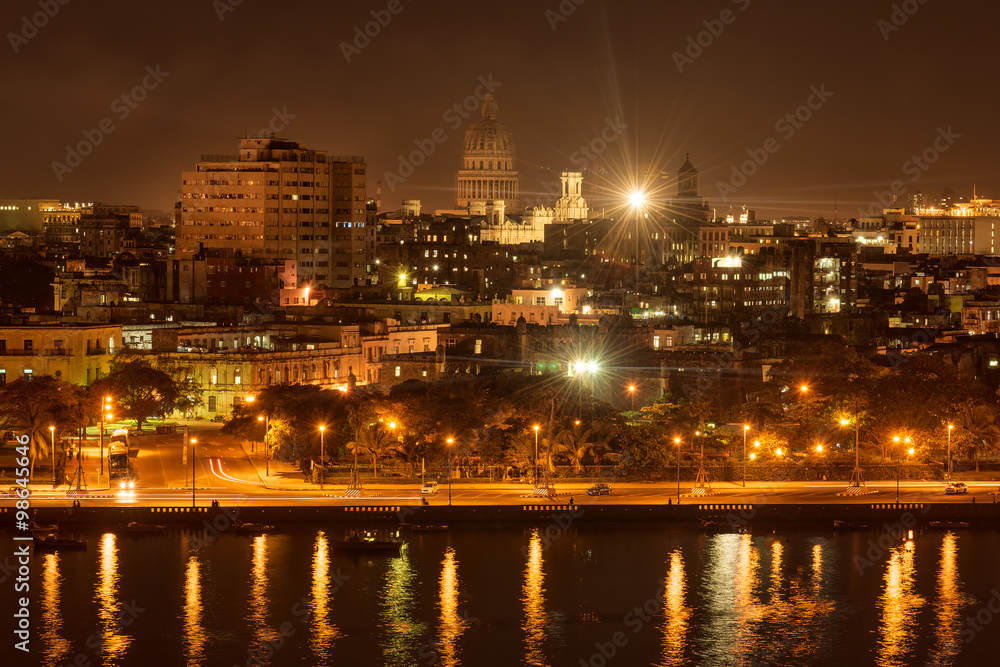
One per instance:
(849,525)
(252,528)
(136,528)
(366,543)
(54,542)
(949,524)
(427,528)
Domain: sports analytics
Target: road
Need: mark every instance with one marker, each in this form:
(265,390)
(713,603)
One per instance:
(224,472)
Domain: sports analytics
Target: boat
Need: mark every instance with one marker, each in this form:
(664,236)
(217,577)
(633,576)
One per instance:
(54,542)
(42,529)
(136,528)
(849,525)
(359,544)
(949,524)
(252,528)
(427,528)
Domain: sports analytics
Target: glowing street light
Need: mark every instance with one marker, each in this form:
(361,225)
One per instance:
(637,198)
(778,452)
(898,442)
(746,428)
(451,441)
(194,441)
(819,449)
(950,427)
(536,427)
(322,457)
(52,434)
(631,393)
(677,441)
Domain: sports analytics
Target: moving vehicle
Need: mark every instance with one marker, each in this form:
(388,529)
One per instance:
(429,487)
(956,487)
(599,490)
(12,492)
(119,466)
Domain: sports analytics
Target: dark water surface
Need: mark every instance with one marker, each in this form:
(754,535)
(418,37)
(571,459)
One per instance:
(637,594)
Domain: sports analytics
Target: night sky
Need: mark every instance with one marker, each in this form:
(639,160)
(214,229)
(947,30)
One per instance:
(557,89)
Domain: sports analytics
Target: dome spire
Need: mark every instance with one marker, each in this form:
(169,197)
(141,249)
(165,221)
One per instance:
(489,108)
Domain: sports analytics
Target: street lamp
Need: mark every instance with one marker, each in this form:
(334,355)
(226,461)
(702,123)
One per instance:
(267,464)
(804,388)
(194,441)
(105,409)
(450,441)
(52,434)
(897,439)
(677,441)
(745,429)
(631,393)
(536,427)
(322,457)
(950,426)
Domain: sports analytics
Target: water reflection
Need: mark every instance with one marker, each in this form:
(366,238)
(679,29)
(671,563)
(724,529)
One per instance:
(533,597)
(323,632)
(898,604)
(817,569)
(675,613)
(259,600)
(729,581)
(56,646)
(948,606)
(109,612)
(403,632)
(451,624)
(194,632)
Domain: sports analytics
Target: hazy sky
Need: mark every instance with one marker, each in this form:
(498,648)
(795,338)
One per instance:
(208,72)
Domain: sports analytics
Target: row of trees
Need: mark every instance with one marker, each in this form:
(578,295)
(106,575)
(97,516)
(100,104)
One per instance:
(140,388)
(811,404)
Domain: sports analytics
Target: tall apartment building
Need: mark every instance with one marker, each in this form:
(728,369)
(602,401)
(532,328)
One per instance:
(279,200)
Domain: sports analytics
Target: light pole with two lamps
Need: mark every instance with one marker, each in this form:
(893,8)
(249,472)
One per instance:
(677,441)
(535,473)
(194,441)
(950,426)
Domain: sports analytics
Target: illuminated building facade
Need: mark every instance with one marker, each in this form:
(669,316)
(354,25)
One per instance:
(279,200)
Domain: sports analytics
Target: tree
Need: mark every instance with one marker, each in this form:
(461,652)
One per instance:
(30,407)
(140,391)
(978,429)
(575,447)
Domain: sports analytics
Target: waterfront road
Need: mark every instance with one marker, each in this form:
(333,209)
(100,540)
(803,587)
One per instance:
(227,471)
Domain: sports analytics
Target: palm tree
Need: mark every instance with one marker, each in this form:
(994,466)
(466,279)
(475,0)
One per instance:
(29,407)
(574,447)
(979,423)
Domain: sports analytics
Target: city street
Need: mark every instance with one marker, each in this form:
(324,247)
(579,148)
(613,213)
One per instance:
(225,471)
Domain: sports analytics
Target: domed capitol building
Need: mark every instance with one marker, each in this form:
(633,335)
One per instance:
(488,186)
(488,172)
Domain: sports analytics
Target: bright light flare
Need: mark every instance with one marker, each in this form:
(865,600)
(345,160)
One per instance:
(637,198)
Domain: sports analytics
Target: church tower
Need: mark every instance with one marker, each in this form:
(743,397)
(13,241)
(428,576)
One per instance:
(687,180)
(488,173)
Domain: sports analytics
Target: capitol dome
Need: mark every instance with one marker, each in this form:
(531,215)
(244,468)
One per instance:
(488,172)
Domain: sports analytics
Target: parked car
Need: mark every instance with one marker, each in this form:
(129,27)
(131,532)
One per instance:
(12,492)
(132,432)
(429,487)
(599,490)
(219,418)
(956,487)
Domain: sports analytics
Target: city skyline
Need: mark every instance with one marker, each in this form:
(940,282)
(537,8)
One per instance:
(643,71)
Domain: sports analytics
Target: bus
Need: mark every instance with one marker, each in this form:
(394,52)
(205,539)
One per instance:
(118,463)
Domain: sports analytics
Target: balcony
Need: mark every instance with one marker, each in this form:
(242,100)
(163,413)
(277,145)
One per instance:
(58,352)
(102,350)
(19,353)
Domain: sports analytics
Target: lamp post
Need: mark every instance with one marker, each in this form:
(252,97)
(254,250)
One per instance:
(267,452)
(450,441)
(745,429)
(193,484)
(535,472)
(322,451)
(897,439)
(677,441)
(631,393)
(105,409)
(950,426)
(52,434)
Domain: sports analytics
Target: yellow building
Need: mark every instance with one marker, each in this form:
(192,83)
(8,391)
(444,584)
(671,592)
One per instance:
(76,354)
